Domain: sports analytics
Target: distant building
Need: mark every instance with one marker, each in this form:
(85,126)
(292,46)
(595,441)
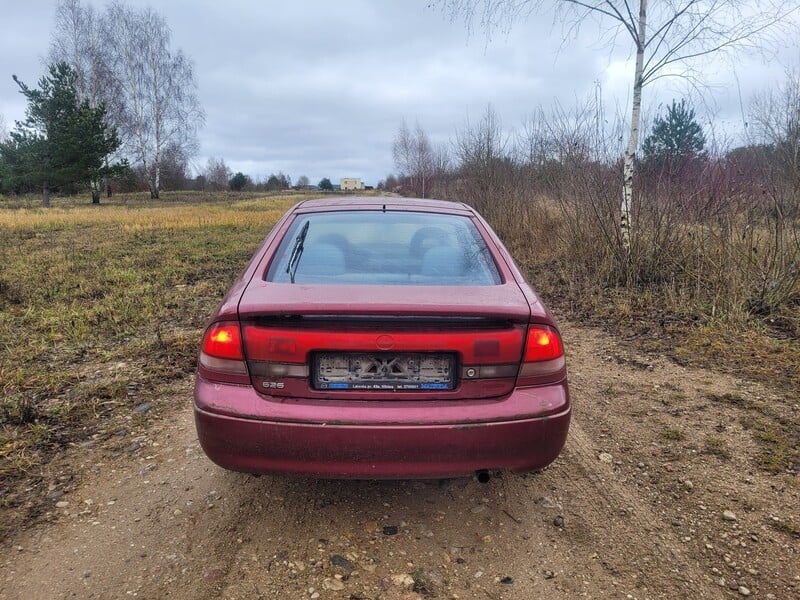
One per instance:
(351,183)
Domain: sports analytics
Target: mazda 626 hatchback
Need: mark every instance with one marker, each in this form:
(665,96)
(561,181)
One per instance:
(381,338)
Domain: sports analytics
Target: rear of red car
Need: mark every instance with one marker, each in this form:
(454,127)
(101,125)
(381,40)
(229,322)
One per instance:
(373,340)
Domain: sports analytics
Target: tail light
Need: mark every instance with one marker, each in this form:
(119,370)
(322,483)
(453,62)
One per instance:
(543,361)
(276,354)
(222,356)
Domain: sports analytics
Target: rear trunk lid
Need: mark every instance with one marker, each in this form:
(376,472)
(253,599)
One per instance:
(266,298)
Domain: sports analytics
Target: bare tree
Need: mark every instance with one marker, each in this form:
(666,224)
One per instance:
(440,161)
(390,183)
(76,40)
(80,40)
(481,151)
(775,121)
(71,30)
(217,174)
(672,39)
(302,182)
(533,142)
(414,156)
(157,86)
(402,150)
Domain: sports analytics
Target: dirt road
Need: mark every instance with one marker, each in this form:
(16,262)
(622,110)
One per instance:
(657,495)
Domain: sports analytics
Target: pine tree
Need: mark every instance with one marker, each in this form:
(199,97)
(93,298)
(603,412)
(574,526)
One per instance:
(239,181)
(62,141)
(676,137)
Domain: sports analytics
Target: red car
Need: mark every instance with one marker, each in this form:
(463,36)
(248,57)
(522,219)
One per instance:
(382,338)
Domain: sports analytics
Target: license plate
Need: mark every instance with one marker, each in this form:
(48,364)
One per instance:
(384,371)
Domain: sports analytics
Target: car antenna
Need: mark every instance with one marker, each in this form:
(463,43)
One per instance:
(384,208)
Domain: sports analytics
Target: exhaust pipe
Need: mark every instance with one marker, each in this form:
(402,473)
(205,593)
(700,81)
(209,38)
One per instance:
(483,475)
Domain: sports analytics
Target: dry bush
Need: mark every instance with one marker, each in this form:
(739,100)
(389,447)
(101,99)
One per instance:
(714,238)
(731,249)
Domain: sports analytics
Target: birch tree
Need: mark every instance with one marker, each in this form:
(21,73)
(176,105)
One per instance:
(671,38)
(78,40)
(414,156)
(160,107)
(217,173)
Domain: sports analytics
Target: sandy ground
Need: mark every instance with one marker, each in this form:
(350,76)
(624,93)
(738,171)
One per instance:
(656,495)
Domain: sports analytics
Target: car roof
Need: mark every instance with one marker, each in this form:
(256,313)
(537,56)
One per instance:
(393,203)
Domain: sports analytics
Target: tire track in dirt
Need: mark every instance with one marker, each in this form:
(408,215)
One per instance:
(633,541)
(688,459)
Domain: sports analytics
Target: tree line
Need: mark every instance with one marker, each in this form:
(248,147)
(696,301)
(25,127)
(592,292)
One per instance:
(217,176)
(484,157)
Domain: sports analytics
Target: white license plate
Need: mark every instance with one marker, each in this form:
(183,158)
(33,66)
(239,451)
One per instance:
(384,371)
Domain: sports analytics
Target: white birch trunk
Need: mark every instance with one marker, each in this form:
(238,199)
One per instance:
(157,107)
(157,178)
(633,141)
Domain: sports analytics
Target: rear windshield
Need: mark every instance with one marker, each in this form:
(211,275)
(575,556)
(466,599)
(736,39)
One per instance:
(383,248)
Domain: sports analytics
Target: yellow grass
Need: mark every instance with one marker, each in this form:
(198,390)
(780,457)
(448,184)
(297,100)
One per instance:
(159,216)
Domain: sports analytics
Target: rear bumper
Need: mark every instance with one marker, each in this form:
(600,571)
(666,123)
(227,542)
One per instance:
(391,450)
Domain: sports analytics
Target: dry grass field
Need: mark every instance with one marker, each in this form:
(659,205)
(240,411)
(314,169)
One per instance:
(99,304)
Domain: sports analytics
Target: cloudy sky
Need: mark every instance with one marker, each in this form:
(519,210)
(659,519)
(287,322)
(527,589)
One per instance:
(319,88)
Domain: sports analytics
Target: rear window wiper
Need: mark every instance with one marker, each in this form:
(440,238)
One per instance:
(294,257)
